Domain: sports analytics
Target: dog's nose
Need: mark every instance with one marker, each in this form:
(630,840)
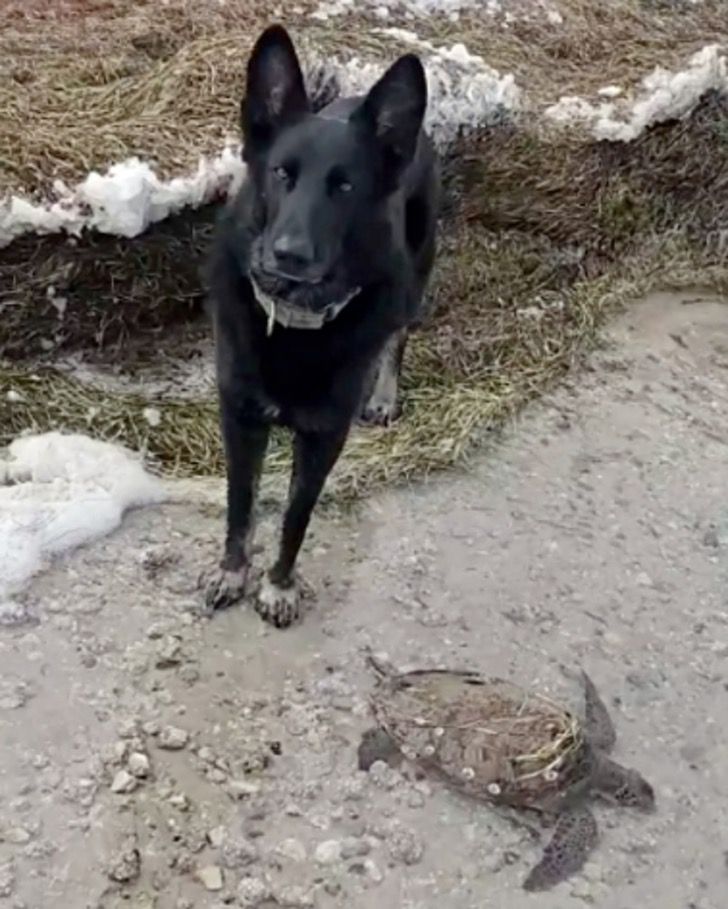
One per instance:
(293,253)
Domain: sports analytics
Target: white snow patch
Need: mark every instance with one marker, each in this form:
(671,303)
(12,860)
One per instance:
(124,201)
(664,95)
(58,492)
(464,92)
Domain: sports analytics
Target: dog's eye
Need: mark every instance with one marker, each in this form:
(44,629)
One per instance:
(338,182)
(282,173)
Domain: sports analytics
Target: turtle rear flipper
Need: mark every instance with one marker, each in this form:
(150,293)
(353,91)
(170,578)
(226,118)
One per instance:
(573,839)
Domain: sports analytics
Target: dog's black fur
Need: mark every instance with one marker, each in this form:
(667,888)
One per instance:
(340,201)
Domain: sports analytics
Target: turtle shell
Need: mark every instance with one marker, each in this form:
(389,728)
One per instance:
(485,736)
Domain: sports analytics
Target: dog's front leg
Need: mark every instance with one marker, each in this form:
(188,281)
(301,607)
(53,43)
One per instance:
(314,455)
(245,440)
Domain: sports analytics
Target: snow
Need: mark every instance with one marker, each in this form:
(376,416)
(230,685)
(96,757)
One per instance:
(123,201)
(464,92)
(664,95)
(58,492)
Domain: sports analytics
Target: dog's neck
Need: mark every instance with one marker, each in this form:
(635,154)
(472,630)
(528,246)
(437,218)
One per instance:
(288,316)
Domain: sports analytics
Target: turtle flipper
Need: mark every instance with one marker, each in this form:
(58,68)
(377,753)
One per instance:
(622,785)
(574,837)
(598,724)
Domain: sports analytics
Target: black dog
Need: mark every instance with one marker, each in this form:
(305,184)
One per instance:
(317,274)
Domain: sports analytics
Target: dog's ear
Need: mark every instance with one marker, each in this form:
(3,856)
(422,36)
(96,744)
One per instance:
(394,109)
(275,92)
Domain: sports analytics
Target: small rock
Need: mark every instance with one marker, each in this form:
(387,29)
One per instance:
(18,836)
(172,739)
(405,846)
(242,789)
(169,653)
(368,869)
(292,849)
(215,775)
(210,876)
(328,852)
(123,783)
(216,837)
(126,866)
(252,892)
(383,776)
(206,754)
(294,897)
(180,801)
(139,764)
(353,847)
(237,852)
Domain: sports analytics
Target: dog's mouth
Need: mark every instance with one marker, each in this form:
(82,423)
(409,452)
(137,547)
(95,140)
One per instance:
(299,304)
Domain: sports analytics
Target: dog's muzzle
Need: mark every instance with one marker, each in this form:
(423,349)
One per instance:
(289,316)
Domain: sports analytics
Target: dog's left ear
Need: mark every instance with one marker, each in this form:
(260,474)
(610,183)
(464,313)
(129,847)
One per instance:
(275,92)
(395,108)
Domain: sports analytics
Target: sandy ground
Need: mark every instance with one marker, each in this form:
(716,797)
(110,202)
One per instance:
(596,532)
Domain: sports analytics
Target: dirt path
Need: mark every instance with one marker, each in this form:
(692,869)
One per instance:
(597,531)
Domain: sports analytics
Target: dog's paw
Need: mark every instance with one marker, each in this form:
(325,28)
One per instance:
(380,410)
(222,588)
(281,606)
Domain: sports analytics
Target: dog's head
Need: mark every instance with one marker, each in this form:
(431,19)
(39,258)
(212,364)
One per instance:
(322,183)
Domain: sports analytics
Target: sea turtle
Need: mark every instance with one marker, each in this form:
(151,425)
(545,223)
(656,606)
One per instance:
(495,741)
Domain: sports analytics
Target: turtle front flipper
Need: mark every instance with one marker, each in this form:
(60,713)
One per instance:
(574,837)
(622,785)
(598,724)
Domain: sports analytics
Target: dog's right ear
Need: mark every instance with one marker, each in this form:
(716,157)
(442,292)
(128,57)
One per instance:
(275,91)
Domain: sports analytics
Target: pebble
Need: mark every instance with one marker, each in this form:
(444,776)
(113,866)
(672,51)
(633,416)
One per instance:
(294,897)
(291,849)
(18,836)
(369,869)
(328,852)
(126,866)
(353,847)
(252,891)
(210,876)
(216,837)
(242,789)
(169,653)
(405,846)
(139,764)
(237,852)
(172,739)
(124,783)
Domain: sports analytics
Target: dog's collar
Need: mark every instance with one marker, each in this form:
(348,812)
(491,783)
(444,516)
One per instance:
(289,316)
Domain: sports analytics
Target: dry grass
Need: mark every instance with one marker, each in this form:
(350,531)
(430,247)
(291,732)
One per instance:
(546,235)
(84,84)
(544,240)
(597,43)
